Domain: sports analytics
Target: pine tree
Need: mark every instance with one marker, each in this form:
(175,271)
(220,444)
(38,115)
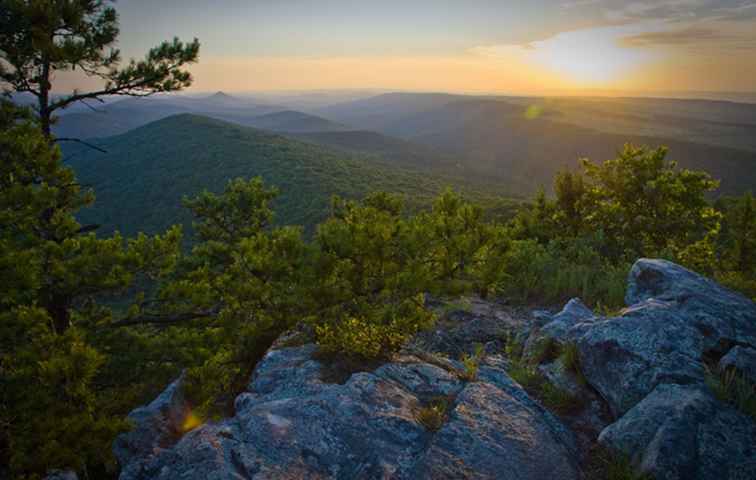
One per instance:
(54,408)
(39,38)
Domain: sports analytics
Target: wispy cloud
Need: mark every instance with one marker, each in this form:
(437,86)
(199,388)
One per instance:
(668,10)
(685,36)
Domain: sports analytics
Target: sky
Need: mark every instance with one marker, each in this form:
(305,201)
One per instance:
(516,47)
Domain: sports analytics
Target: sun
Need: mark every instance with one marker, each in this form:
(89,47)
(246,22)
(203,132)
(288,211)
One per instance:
(589,57)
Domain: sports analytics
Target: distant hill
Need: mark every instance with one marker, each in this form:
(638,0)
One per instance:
(124,115)
(284,121)
(712,122)
(121,116)
(377,113)
(523,142)
(140,181)
(391,149)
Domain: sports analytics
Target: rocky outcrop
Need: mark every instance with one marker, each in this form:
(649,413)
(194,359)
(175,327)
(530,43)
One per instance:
(154,428)
(681,432)
(649,364)
(292,424)
(641,380)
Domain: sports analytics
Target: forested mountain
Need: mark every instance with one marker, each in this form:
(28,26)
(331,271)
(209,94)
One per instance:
(524,142)
(121,116)
(142,178)
(517,142)
(285,121)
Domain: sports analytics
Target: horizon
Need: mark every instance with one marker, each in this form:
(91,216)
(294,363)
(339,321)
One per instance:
(684,47)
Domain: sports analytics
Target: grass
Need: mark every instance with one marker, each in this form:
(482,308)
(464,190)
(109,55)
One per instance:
(461,305)
(433,415)
(528,376)
(513,349)
(570,358)
(471,364)
(731,387)
(525,375)
(559,400)
(545,350)
(607,465)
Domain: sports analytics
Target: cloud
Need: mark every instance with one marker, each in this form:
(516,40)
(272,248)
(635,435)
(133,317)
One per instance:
(622,11)
(685,36)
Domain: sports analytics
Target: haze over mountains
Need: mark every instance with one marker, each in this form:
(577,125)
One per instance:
(508,145)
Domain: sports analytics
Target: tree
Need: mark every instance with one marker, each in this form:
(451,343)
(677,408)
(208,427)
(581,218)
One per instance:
(640,202)
(41,37)
(239,289)
(458,231)
(54,407)
(371,269)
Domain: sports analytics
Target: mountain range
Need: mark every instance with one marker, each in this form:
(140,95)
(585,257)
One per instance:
(162,148)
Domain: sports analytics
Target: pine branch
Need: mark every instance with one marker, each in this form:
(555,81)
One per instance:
(78,140)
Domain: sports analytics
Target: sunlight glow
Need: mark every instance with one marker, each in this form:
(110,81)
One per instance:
(191,422)
(590,57)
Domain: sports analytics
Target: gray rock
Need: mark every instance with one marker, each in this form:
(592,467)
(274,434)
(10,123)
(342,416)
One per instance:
(557,327)
(743,359)
(62,475)
(459,331)
(292,424)
(625,358)
(490,432)
(155,426)
(677,319)
(723,318)
(681,432)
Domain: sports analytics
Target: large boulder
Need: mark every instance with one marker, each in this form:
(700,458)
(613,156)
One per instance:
(676,321)
(292,424)
(154,427)
(681,432)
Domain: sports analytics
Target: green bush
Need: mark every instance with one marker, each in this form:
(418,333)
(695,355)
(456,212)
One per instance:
(471,364)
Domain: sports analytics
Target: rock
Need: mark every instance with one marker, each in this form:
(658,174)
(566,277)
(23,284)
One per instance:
(302,418)
(62,475)
(490,432)
(677,320)
(459,331)
(742,359)
(724,318)
(625,358)
(291,424)
(681,432)
(155,426)
(556,328)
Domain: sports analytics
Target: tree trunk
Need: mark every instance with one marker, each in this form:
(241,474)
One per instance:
(45,115)
(59,311)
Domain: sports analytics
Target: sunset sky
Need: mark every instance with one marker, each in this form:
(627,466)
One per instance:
(533,46)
